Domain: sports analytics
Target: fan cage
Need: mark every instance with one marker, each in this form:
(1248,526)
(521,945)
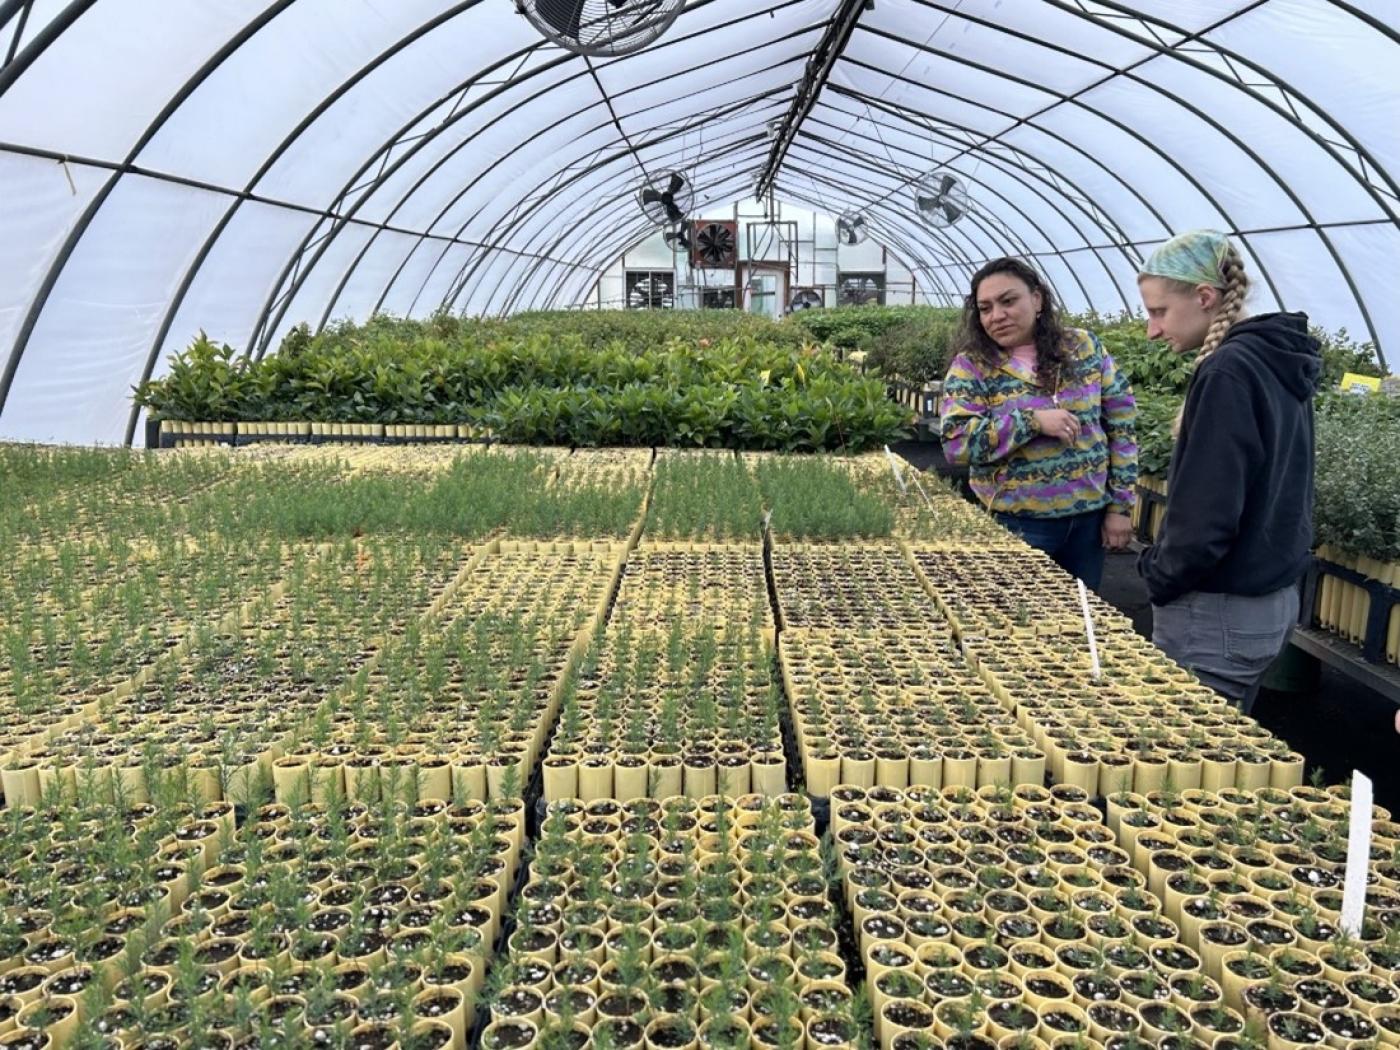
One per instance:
(599,28)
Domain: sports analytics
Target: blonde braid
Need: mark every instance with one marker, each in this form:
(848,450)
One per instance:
(1234,290)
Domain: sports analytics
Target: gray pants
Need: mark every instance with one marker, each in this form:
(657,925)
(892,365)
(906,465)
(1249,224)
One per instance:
(1227,641)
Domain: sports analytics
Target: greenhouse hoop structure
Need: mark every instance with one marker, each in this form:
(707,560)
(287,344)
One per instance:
(175,166)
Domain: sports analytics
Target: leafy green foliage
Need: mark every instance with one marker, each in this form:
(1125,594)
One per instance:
(1341,354)
(919,348)
(857,327)
(1156,413)
(1151,366)
(1358,474)
(583,379)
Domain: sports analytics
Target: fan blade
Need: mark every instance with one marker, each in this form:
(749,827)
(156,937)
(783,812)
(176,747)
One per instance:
(926,203)
(677,181)
(948,183)
(951,211)
(858,223)
(672,212)
(650,196)
(563,16)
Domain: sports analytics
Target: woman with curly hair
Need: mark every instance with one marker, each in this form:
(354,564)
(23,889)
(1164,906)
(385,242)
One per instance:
(1044,420)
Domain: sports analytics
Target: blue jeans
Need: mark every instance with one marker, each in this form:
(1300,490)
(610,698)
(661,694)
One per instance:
(1075,543)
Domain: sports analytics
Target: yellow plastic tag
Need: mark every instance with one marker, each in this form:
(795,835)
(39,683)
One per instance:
(1353,383)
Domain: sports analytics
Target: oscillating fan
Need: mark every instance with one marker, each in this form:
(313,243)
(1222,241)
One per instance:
(851,229)
(601,27)
(805,299)
(670,205)
(941,199)
(677,238)
(716,245)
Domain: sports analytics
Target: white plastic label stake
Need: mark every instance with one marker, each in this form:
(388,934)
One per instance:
(1358,854)
(894,468)
(1089,629)
(920,486)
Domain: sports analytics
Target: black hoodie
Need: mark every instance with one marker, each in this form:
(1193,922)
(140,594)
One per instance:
(1240,493)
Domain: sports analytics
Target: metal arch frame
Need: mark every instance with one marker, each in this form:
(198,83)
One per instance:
(1080,205)
(552,302)
(589,167)
(1370,19)
(1108,119)
(312,116)
(56,27)
(1206,118)
(394,278)
(749,138)
(982,221)
(457,197)
(519,203)
(1110,229)
(604,254)
(1191,108)
(1278,83)
(80,228)
(464,279)
(494,233)
(1047,132)
(905,252)
(745,139)
(1123,244)
(478,176)
(75,9)
(819,66)
(997,229)
(23,7)
(525,205)
(263,329)
(612,250)
(614,154)
(284,294)
(1006,155)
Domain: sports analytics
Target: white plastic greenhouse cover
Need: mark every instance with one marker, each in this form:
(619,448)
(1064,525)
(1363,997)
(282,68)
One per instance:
(236,166)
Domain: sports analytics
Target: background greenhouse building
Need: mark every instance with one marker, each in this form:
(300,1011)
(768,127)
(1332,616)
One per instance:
(483,570)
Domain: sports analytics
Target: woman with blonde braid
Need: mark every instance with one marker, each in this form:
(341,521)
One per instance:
(1224,571)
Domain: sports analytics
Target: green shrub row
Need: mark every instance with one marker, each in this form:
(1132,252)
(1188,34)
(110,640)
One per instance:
(579,379)
(1358,474)
(914,344)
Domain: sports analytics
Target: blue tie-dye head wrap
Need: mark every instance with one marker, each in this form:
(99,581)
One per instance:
(1193,258)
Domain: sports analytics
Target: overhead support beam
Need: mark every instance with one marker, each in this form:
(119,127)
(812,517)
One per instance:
(819,66)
